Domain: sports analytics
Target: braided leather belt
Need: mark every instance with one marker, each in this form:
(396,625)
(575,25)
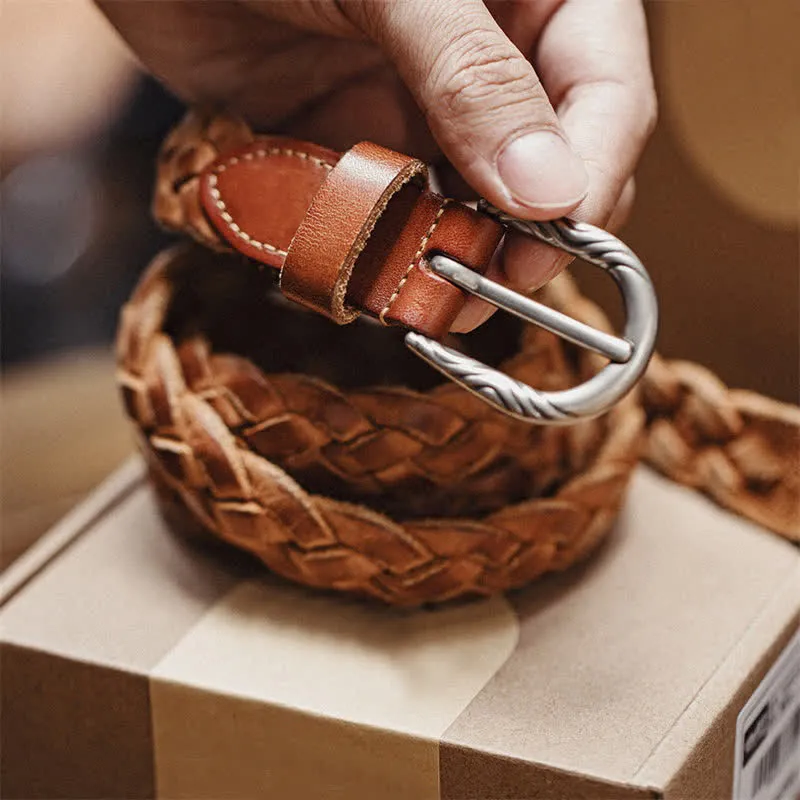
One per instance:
(315,215)
(288,437)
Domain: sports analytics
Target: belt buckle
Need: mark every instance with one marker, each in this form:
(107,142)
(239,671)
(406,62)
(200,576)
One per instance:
(628,355)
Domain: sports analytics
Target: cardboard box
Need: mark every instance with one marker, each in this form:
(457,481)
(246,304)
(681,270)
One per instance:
(137,664)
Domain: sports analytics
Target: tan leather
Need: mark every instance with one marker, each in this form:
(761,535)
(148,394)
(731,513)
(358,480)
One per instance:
(349,233)
(338,222)
(257,196)
(254,433)
(739,447)
(406,496)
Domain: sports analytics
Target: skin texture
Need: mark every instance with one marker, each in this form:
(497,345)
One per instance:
(456,82)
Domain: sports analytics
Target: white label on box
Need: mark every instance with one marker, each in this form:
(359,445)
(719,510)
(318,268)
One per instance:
(767,750)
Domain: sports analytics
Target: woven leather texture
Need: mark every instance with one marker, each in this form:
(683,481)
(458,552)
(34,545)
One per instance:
(237,447)
(740,448)
(409,496)
(191,147)
(234,444)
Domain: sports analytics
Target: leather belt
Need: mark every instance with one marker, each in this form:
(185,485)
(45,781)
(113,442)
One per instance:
(257,429)
(362,232)
(253,431)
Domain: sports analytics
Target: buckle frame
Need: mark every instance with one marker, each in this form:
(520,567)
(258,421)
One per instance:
(628,355)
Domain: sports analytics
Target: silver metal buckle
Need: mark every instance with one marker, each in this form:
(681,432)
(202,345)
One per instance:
(628,355)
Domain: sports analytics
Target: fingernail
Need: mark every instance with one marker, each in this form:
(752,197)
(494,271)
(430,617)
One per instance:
(541,171)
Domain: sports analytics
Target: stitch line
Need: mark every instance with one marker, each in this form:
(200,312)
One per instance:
(216,195)
(420,250)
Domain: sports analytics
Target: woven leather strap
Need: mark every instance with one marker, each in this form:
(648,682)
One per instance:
(408,496)
(236,446)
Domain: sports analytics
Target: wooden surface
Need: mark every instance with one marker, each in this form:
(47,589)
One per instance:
(62,431)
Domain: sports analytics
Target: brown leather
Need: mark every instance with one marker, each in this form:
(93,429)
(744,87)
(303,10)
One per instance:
(740,448)
(413,496)
(350,234)
(338,223)
(409,496)
(257,196)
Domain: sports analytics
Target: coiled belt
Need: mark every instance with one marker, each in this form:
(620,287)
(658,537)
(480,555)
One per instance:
(290,437)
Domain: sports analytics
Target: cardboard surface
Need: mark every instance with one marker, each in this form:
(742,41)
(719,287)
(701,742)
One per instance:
(632,636)
(136,664)
(716,214)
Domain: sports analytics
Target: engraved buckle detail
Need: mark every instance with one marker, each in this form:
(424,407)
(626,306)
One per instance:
(628,355)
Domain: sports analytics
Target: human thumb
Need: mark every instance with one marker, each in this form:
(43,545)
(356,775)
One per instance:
(483,102)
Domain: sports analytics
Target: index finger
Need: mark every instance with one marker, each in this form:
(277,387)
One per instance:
(594,61)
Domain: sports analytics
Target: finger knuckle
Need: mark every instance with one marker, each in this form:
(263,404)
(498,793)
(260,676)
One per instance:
(626,200)
(475,75)
(373,18)
(650,113)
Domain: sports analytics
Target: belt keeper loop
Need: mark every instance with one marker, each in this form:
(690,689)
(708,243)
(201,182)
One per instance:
(338,223)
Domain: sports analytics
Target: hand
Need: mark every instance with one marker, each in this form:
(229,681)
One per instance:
(540,142)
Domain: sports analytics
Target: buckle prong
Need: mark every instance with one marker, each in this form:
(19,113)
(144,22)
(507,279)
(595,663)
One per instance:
(628,355)
(612,347)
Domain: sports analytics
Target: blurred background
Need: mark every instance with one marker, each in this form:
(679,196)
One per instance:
(716,222)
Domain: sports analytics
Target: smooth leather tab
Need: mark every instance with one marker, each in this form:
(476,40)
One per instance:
(466,236)
(241,192)
(350,233)
(338,223)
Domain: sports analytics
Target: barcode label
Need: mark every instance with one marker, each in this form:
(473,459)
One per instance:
(767,754)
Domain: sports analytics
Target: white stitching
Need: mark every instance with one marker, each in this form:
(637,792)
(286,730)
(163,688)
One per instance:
(216,195)
(425,239)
